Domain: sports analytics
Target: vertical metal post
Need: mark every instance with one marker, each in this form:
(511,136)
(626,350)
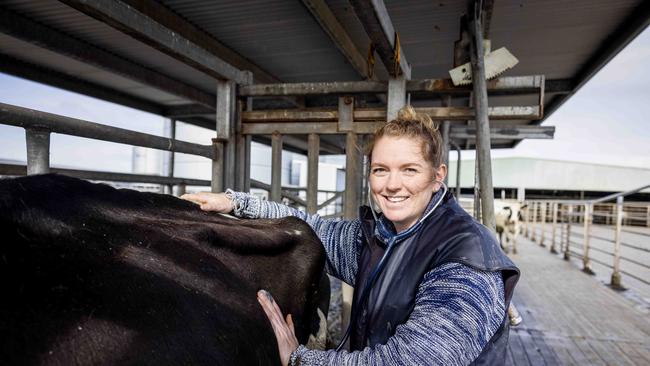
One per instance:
(170,154)
(554,207)
(313,145)
(483,143)
(527,219)
(477,192)
(396,96)
(586,262)
(181,189)
(276,167)
(242,152)
(225,111)
(542,225)
(616,274)
(567,248)
(38,151)
(534,220)
(217,165)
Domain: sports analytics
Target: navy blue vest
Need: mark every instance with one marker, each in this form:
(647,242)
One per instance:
(449,234)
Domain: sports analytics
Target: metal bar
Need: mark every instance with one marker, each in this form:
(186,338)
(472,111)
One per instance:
(396,96)
(568,232)
(225,129)
(128,20)
(351,176)
(483,143)
(285,193)
(170,154)
(38,150)
(161,14)
(554,207)
(20,170)
(379,114)
(28,118)
(22,28)
(186,110)
(534,221)
(507,84)
(313,141)
(327,202)
(510,132)
(445,144)
(376,21)
(276,168)
(217,166)
(542,224)
(586,265)
(615,280)
(338,35)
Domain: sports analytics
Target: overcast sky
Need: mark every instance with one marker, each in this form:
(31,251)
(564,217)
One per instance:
(606,122)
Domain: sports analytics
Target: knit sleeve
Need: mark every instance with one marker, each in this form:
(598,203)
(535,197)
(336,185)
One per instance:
(457,310)
(342,239)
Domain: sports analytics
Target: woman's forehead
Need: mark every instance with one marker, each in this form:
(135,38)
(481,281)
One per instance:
(401,150)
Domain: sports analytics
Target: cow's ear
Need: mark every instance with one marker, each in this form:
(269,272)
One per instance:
(506,207)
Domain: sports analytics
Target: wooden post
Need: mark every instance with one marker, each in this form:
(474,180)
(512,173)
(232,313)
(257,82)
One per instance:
(242,152)
(567,247)
(170,155)
(38,151)
(276,168)
(616,274)
(527,219)
(217,166)
(477,192)
(554,207)
(586,262)
(483,143)
(534,220)
(351,176)
(313,145)
(446,102)
(224,170)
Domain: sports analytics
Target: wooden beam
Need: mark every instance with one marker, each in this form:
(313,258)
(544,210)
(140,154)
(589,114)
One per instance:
(187,110)
(376,21)
(338,35)
(128,20)
(24,29)
(275,193)
(312,173)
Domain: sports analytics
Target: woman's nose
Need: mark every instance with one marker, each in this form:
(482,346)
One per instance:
(394,182)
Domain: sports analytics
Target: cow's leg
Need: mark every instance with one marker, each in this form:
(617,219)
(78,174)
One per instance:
(514,242)
(500,235)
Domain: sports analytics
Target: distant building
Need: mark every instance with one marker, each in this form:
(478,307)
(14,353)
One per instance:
(545,178)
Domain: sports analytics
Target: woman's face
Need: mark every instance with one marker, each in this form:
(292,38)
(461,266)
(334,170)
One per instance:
(401,180)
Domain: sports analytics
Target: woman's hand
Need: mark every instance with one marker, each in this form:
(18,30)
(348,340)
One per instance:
(218,202)
(284,331)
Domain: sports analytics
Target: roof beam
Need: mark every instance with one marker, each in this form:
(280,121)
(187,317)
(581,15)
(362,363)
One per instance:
(128,20)
(629,28)
(511,84)
(39,74)
(186,110)
(376,21)
(337,33)
(29,31)
(506,133)
(168,18)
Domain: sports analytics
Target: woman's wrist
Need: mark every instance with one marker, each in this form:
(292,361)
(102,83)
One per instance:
(294,359)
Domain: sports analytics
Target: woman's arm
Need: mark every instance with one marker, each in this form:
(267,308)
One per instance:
(457,310)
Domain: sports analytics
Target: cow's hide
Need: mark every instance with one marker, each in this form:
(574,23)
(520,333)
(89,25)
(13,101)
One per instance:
(91,275)
(508,223)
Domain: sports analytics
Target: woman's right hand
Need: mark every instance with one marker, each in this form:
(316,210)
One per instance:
(217,202)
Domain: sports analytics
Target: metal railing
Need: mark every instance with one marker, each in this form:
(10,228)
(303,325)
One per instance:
(555,221)
(39,125)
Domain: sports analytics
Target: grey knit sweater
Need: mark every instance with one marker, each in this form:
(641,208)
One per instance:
(457,308)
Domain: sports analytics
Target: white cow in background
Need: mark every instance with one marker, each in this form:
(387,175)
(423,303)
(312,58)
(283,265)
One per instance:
(508,217)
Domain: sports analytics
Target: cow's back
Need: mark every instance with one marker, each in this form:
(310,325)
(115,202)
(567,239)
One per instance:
(95,275)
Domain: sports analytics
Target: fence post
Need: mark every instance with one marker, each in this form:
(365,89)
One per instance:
(586,262)
(534,221)
(38,150)
(554,207)
(276,168)
(567,247)
(526,218)
(616,274)
(542,225)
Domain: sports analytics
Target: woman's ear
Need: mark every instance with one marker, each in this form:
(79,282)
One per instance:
(441,173)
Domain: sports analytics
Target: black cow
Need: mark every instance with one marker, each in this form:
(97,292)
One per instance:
(90,274)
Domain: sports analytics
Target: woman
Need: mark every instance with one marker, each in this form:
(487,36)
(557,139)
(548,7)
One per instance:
(431,284)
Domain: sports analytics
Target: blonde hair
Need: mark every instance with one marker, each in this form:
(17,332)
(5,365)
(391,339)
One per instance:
(413,125)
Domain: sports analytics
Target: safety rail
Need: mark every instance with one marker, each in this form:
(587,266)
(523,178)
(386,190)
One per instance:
(576,229)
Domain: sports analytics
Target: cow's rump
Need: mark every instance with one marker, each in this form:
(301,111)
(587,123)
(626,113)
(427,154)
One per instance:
(95,275)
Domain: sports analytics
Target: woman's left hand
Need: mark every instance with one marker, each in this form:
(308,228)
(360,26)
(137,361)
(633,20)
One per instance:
(284,330)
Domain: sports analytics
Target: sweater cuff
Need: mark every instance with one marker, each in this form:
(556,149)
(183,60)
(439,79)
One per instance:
(296,356)
(245,205)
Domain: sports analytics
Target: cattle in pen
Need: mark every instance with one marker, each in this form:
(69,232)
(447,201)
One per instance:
(508,217)
(95,275)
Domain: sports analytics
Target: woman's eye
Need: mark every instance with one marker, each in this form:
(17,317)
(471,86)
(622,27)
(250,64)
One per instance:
(378,171)
(411,170)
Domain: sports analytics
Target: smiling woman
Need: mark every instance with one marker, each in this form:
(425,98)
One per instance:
(431,284)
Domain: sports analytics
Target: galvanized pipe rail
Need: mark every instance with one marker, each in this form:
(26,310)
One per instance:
(565,209)
(39,125)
